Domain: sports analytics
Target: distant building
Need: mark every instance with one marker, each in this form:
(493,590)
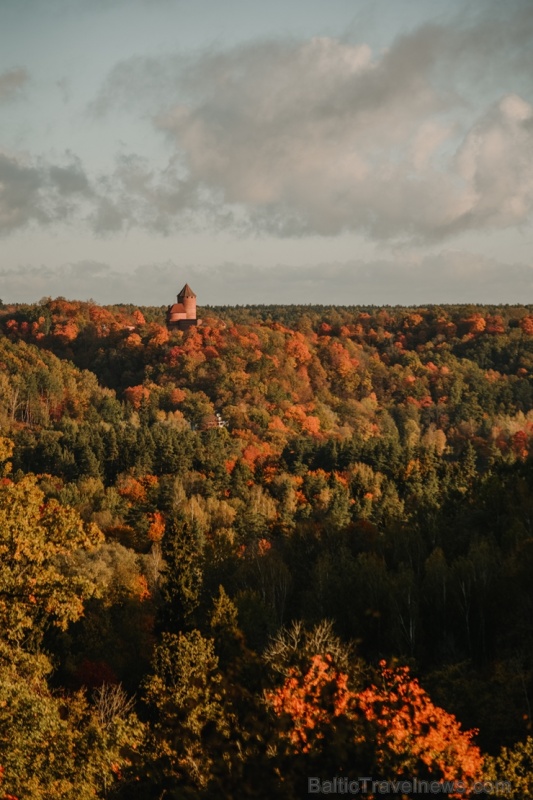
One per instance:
(182,315)
(210,421)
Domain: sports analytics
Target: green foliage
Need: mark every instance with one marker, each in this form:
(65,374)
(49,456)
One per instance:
(59,746)
(513,766)
(38,541)
(186,697)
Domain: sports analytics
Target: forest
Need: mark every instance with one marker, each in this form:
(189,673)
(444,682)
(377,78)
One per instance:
(292,542)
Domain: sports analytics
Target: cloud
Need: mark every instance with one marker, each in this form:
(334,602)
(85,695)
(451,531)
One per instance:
(495,161)
(424,141)
(19,194)
(325,136)
(34,191)
(11,82)
(444,277)
(75,281)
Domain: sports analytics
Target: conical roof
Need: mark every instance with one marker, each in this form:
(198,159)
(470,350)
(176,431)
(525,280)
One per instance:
(186,292)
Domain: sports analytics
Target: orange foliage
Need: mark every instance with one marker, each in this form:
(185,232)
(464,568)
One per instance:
(263,546)
(410,733)
(476,323)
(413,320)
(520,443)
(66,330)
(143,592)
(340,359)
(495,324)
(136,394)
(297,347)
(303,699)
(157,527)
(411,727)
(311,425)
(526,323)
(133,340)
(177,396)
(132,489)
(277,424)
(158,335)
(255,452)
(210,352)
(103,321)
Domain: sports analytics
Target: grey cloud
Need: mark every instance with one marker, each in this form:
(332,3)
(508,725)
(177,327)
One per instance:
(11,82)
(20,200)
(75,281)
(443,277)
(108,217)
(324,136)
(134,194)
(70,180)
(138,195)
(39,192)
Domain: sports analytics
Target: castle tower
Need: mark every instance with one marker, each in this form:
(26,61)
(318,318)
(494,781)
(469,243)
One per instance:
(182,315)
(188,299)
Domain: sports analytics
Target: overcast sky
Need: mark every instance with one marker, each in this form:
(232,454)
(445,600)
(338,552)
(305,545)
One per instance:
(295,151)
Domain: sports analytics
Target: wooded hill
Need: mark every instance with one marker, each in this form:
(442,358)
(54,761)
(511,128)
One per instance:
(295,541)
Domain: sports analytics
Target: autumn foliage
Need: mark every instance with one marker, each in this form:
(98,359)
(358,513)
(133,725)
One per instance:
(411,736)
(171,500)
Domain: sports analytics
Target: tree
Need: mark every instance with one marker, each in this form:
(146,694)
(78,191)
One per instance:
(514,766)
(37,540)
(185,697)
(57,745)
(183,549)
(393,726)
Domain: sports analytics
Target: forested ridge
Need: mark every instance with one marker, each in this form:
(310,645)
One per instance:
(294,541)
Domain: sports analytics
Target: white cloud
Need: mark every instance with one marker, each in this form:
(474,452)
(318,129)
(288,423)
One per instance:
(323,136)
(496,163)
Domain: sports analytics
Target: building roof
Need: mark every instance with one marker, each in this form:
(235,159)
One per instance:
(186,292)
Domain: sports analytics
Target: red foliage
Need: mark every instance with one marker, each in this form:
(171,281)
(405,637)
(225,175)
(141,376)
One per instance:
(520,444)
(92,674)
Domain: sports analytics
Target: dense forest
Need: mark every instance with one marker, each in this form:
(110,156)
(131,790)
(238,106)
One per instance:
(295,541)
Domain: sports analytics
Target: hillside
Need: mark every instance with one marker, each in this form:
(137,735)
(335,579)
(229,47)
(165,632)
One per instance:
(228,551)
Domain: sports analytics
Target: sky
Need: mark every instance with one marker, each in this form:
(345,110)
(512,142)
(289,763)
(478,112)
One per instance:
(297,151)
